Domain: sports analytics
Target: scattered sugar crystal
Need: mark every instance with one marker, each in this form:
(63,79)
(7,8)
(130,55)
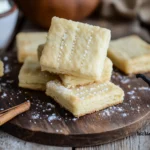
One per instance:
(3,95)
(144,88)
(51,105)
(48,109)
(7,68)
(125,80)
(53,117)
(133,97)
(35,116)
(5,58)
(106,112)
(74,119)
(120,109)
(131,92)
(3,84)
(124,114)
(10,81)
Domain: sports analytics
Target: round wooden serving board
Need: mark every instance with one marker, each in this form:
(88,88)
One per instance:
(48,123)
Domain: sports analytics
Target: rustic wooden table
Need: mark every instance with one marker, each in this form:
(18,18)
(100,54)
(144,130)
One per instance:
(138,141)
(134,142)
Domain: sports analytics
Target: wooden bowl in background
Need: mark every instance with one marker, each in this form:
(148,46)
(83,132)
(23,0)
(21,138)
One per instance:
(41,11)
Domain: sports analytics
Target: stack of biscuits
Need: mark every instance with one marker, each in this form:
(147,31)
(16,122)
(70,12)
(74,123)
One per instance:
(72,67)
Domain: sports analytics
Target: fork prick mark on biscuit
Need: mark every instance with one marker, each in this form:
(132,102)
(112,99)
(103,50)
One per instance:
(84,92)
(87,49)
(74,43)
(62,44)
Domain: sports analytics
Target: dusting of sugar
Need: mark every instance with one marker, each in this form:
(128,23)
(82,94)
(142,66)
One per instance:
(112,110)
(144,88)
(131,92)
(106,112)
(50,105)
(7,68)
(53,117)
(124,114)
(35,116)
(9,81)
(3,95)
(74,119)
(133,97)
(125,80)
(119,109)
(5,58)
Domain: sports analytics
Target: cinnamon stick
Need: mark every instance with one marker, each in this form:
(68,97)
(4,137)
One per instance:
(3,111)
(14,112)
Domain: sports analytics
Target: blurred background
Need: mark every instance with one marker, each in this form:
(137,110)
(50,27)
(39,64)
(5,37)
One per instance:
(118,15)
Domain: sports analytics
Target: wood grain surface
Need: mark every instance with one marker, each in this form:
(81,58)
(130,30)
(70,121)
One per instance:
(47,122)
(134,142)
(8,142)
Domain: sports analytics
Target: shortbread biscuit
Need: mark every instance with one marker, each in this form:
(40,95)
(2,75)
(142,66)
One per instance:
(27,43)
(130,54)
(75,48)
(1,68)
(72,81)
(32,77)
(85,99)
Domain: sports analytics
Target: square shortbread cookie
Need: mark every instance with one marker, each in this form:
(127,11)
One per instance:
(75,48)
(85,99)
(1,68)
(130,54)
(72,81)
(27,43)
(32,77)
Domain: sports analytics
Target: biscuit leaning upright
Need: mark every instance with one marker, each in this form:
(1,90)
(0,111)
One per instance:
(75,48)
